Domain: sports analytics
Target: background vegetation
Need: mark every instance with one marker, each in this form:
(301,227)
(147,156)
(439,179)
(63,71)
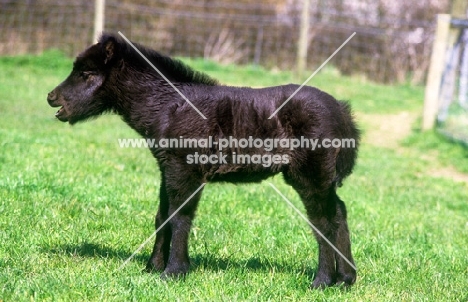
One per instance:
(392,45)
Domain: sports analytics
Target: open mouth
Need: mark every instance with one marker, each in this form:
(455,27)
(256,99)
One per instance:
(61,115)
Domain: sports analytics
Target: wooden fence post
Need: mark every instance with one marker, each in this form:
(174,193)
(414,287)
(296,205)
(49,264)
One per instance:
(303,41)
(98,19)
(436,68)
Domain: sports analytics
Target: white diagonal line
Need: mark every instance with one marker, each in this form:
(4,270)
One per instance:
(312,75)
(313,226)
(160,227)
(161,74)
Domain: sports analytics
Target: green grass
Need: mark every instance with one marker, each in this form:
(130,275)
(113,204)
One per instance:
(453,153)
(74,206)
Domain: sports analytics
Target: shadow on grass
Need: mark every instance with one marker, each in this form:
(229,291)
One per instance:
(198,261)
(262,264)
(92,250)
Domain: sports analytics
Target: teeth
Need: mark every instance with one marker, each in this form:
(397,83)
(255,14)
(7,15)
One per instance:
(59,111)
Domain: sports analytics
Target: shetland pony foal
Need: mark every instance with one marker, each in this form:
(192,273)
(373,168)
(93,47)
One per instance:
(111,77)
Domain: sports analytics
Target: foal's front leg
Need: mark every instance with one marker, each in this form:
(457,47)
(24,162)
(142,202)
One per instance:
(179,186)
(160,255)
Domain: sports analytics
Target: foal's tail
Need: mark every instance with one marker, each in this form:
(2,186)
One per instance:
(347,155)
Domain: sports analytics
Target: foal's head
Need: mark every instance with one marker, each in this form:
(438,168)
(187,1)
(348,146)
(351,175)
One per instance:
(82,95)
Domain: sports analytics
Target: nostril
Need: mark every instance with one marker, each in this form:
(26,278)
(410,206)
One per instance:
(51,96)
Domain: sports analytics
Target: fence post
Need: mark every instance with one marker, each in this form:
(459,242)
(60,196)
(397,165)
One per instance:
(303,41)
(436,68)
(458,8)
(258,45)
(98,19)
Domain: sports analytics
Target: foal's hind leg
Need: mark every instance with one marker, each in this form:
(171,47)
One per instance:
(327,213)
(345,273)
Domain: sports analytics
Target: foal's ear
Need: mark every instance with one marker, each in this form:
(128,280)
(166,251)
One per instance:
(110,48)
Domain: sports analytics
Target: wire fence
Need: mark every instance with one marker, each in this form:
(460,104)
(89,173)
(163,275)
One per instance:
(452,118)
(392,44)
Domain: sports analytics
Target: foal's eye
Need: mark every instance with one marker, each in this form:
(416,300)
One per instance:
(86,74)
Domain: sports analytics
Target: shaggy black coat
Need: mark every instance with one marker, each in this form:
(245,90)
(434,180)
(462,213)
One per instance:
(111,76)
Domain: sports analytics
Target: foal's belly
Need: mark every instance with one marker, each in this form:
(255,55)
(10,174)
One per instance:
(241,176)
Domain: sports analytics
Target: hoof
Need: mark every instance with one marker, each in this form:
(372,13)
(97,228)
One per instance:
(346,280)
(151,267)
(322,283)
(175,272)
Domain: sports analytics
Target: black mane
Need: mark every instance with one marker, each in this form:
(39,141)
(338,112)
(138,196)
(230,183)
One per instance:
(173,69)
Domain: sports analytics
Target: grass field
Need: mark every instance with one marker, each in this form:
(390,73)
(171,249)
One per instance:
(74,206)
